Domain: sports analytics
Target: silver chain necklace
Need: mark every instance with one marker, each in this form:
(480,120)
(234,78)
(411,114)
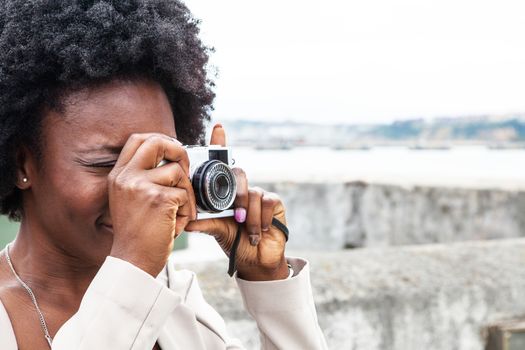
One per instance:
(32,295)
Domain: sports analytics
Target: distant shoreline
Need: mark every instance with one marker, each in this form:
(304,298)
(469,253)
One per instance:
(460,167)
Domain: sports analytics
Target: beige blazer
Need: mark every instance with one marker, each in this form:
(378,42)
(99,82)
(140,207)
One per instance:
(126,308)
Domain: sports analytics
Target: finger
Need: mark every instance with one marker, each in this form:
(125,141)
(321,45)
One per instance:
(253,219)
(218,136)
(208,226)
(156,148)
(218,228)
(171,197)
(268,203)
(184,217)
(241,198)
(179,210)
(133,143)
(172,175)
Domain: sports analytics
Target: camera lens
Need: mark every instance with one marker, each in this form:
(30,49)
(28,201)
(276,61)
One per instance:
(221,186)
(214,186)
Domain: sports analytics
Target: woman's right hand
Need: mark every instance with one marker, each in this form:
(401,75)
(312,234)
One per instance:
(149,205)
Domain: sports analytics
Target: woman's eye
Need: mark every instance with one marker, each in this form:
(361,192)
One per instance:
(104,165)
(109,164)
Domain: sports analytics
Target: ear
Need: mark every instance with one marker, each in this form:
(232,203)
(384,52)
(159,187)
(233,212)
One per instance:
(25,165)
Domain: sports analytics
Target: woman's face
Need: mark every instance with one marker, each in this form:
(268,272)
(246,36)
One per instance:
(68,199)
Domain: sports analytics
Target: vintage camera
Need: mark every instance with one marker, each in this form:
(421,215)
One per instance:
(212,179)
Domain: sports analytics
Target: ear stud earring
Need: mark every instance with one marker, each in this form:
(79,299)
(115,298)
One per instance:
(24,180)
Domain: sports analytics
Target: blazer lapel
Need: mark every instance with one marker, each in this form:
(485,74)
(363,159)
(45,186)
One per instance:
(7,334)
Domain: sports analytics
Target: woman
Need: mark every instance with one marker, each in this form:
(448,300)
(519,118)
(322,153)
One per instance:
(93,95)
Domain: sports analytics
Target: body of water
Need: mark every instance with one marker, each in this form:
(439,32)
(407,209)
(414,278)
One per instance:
(471,167)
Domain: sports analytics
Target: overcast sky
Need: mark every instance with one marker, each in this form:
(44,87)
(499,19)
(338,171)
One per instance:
(365,61)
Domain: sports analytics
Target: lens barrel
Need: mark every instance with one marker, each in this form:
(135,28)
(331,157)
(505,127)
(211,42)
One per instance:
(214,186)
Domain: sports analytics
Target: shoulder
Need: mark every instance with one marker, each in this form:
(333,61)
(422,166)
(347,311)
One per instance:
(5,322)
(7,336)
(8,284)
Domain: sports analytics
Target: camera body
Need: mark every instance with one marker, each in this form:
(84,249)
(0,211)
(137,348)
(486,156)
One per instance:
(213,180)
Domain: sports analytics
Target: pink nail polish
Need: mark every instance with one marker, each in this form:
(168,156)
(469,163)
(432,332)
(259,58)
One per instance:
(240,215)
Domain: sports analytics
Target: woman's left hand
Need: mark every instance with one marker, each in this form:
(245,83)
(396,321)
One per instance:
(260,254)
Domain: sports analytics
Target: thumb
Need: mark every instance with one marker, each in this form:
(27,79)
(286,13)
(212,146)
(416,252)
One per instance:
(210,226)
(218,136)
(224,229)
(204,226)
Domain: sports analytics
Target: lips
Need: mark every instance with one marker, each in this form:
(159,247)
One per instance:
(106,225)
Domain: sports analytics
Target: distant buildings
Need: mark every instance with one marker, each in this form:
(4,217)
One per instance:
(506,131)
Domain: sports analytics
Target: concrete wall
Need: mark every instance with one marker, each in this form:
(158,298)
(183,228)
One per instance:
(436,297)
(331,216)
(334,215)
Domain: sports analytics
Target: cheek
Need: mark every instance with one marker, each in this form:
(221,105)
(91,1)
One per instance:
(75,201)
(79,197)
(87,198)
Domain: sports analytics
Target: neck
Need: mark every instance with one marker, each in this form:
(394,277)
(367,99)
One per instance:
(53,274)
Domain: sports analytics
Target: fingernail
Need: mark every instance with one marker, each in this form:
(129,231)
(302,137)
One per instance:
(218,125)
(266,228)
(176,141)
(254,239)
(240,215)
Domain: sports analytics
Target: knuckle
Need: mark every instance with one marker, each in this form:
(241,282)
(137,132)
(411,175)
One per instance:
(135,185)
(184,197)
(112,176)
(154,139)
(125,182)
(253,227)
(255,192)
(269,202)
(184,153)
(174,180)
(239,172)
(181,200)
(241,195)
(274,197)
(175,175)
(185,158)
(242,191)
(120,180)
(135,137)
(181,224)
(156,197)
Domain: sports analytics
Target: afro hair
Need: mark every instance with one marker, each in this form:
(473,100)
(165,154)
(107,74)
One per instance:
(50,47)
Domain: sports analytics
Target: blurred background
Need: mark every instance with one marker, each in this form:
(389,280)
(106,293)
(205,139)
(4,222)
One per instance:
(394,131)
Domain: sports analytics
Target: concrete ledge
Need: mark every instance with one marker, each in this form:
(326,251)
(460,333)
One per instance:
(357,214)
(419,297)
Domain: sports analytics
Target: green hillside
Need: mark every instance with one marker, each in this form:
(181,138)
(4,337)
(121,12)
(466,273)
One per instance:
(8,231)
